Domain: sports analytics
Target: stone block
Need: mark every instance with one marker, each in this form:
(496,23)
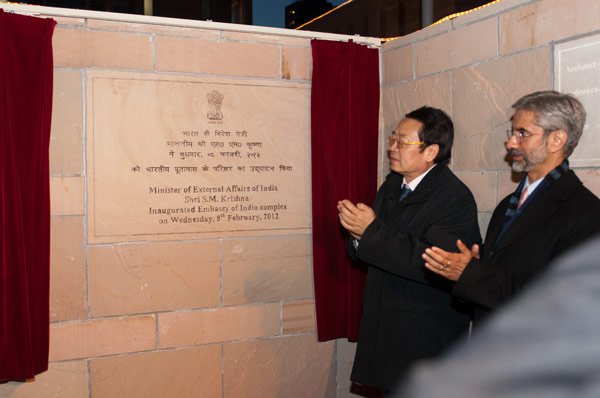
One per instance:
(66,196)
(482,99)
(298,316)
(178,329)
(483,186)
(62,380)
(73,21)
(400,99)
(87,48)
(267,269)
(188,373)
(296,63)
(507,183)
(590,178)
(486,11)
(380,179)
(66,139)
(142,278)
(69,46)
(398,64)
(296,366)
(546,21)
(176,54)
(403,98)
(101,337)
(419,35)
(464,46)
(382,147)
(345,359)
(483,218)
(67,269)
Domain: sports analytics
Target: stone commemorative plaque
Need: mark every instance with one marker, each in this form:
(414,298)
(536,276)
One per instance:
(577,71)
(174,157)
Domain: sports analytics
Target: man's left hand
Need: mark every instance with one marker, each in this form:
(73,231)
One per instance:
(355,218)
(449,265)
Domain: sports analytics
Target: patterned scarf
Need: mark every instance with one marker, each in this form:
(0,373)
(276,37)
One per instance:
(512,212)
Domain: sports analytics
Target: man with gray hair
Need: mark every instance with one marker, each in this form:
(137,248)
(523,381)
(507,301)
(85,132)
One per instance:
(550,212)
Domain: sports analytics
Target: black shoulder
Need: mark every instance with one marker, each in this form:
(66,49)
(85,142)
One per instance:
(452,183)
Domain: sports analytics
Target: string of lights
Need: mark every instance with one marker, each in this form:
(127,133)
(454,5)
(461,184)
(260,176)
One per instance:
(322,15)
(448,18)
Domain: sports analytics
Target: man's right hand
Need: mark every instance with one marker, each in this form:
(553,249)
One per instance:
(355,218)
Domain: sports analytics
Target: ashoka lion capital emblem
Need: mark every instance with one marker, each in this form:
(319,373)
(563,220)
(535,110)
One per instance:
(215,100)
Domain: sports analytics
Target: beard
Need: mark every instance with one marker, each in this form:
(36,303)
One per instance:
(529,161)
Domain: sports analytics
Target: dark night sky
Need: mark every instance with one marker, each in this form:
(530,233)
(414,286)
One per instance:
(272,12)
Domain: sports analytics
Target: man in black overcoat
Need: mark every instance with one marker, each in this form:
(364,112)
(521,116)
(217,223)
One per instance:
(408,312)
(550,212)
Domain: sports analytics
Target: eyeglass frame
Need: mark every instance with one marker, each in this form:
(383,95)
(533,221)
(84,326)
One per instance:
(391,139)
(521,134)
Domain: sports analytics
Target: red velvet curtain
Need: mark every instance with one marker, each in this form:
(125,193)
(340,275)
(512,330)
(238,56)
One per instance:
(25,113)
(344,131)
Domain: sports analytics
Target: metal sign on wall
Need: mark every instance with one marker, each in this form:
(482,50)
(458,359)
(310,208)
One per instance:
(172,157)
(577,71)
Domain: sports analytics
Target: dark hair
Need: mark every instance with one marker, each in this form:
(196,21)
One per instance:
(437,129)
(555,111)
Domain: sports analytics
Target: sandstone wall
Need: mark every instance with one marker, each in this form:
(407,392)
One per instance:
(224,315)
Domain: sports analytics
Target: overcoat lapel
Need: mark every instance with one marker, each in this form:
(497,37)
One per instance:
(542,208)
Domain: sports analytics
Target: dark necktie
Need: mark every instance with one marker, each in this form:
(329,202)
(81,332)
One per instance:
(405,190)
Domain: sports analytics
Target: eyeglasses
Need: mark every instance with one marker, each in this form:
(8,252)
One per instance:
(520,134)
(394,139)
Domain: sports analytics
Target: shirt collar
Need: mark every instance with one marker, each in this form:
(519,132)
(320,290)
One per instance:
(531,187)
(413,184)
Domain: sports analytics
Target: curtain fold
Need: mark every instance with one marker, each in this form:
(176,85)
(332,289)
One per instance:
(25,113)
(344,134)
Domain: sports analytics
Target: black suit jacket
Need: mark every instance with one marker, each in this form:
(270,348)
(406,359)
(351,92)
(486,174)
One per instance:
(408,312)
(563,215)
